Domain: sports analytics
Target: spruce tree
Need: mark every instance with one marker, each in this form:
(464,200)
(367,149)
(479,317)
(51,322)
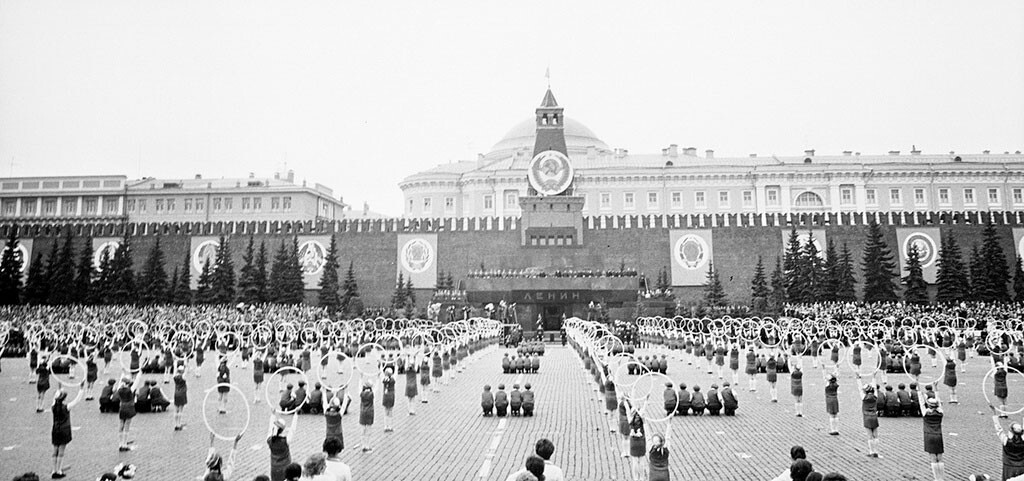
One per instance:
(51,271)
(439,284)
(759,284)
(248,288)
(1018,281)
(994,264)
(846,290)
(714,294)
(183,290)
(278,278)
(260,279)
(10,270)
(829,273)
(398,298)
(951,279)
(204,288)
(916,291)
(328,296)
(791,266)
(664,280)
(449,281)
(84,273)
(349,291)
(122,274)
(153,282)
(778,283)
(222,281)
(979,280)
(878,268)
(62,277)
(37,285)
(172,288)
(410,294)
(810,272)
(296,289)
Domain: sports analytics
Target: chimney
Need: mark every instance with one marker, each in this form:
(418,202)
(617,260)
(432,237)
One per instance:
(673,150)
(709,153)
(664,152)
(291,176)
(809,153)
(915,152)
(753,156)
(691,151)
(986,152)
(894,152)
(277,176)
(847,153)
(366,208)
(591,152)
(199,176)
(252,175)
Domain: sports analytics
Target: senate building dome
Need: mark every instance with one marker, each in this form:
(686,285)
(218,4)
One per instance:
(578,138)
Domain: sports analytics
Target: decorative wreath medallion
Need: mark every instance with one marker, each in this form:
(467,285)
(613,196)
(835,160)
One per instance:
(21,254)
(312,257)
(550,172)
(205,250)
(417,255)
(691,252)
(926,251)
(804,236)
(110,247)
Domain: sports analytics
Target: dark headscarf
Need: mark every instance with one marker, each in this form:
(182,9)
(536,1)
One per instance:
(797,452)
(799,470)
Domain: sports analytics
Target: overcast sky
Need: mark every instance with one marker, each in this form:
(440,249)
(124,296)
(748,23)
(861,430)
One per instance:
(359,95)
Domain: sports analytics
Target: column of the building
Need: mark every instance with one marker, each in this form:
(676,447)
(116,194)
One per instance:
(99,205)
(834,197)
(60,207)
(78,206)
(786,196)
(860,195)
(17,207)
(39,206)
(120,205)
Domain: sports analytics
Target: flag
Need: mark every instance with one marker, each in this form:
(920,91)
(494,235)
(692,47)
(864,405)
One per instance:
(927,240)
(691,252)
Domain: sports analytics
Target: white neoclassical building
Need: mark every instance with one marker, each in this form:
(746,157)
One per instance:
(679,181)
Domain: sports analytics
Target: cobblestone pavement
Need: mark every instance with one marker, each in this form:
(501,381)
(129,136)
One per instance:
(449,439)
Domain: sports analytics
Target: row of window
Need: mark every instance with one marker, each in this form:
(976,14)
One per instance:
(921,196)
(197,205)
(511,202)
(53,207)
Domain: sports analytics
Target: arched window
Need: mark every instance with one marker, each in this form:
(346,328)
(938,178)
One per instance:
(554,120)
(809,199)
(544,119)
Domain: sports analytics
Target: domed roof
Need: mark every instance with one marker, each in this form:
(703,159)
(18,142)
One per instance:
(577,138)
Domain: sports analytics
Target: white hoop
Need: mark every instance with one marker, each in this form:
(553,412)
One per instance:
(245,402)
(266,390)
(991,373)
(74,362)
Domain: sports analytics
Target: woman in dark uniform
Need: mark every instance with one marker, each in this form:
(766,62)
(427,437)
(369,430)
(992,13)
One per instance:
(751,368)
(366,414)
(869,408)
(832,403)
(278,439)
(610,400)
(411,391)
(933,436)
(60,435)
(773,377)
(637,442)
(719,359)
(180,397)
(424,377)
(796,388)
(126,408)
(1013,447)
(624,408)
(734,363)
(1000,388)
(91,374)
(332,417)
(949,379)
(436,372)
(388,397)
(42,382)
(658,459)
(223,377)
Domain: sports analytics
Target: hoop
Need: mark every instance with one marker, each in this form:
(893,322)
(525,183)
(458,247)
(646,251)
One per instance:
(641,400)
(248,411)
(984,391)
(323,377)
(74,363)
(940,362)
(857,369)
(266,390)
(142,352)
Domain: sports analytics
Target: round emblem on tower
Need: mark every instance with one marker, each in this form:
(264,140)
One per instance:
(691,252)
(926,251)
(417,256)
(550,172)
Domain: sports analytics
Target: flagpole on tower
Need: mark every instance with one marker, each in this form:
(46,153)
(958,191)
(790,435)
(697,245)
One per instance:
(547,75)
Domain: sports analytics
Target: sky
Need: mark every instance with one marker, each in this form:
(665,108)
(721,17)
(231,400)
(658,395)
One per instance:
(359,95)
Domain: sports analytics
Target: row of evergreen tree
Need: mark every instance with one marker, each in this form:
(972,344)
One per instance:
(69,277)
(802,276)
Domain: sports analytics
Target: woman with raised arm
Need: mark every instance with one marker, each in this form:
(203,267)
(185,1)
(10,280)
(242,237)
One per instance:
(1013,446)
(60,435)
(180,397)
(126,408)
(279,436)
(366,414)
(637,442)
(869,409)
(832,402)
(216,469)
(932,410)
(42,382)
(658,458)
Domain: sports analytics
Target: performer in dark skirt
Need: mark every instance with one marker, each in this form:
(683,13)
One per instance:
(388,397)
(610,401)
(933,436)
(869,408)
(42,382)
(180,397)
(949,379)
(1000,389)
(332,417)
(637,442)
(257,375)
(751,368)
(411,390)
(796,388)
(658,459)
(624,409)
(60,435)
(91,374)
(223,377)
(436,372)
(1013,446)
(126,408)
(366,414)
(832,403)
(773,378)
(424,378)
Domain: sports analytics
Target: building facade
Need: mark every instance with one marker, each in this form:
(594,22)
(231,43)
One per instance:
(679,181)
(148,200)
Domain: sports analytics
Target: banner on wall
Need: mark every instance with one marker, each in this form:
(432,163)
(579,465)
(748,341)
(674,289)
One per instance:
(819,236)
(203,249)
(927,240)
(101,245)
(24,253)
(312,258)
(1018,240)
(691,251)
(417,258)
